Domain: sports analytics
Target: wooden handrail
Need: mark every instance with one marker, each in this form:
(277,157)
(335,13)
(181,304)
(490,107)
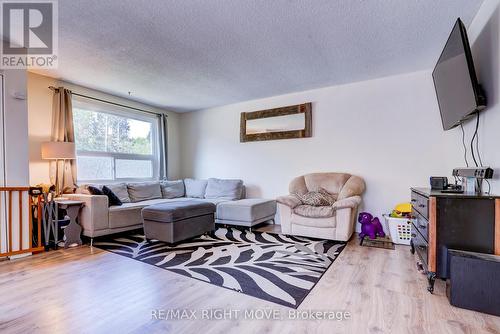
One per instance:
(18,226)
(14,188)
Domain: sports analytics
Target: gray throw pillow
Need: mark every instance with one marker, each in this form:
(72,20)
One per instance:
(195,188)
(172,189)
(224,189)
(142,191)
(120,190)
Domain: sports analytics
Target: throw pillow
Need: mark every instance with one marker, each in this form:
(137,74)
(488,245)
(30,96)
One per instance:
(172,189)
(120,190)
(112,198)
(224,189)
(142,191)
(195,188)
(94,190)
(317,198)
(331,198)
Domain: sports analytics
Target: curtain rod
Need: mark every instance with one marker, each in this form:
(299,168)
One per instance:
(109,102)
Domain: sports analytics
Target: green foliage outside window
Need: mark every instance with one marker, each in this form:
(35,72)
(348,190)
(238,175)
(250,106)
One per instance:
(100,132)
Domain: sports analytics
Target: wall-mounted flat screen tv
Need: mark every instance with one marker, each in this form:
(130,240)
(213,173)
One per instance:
(458,92)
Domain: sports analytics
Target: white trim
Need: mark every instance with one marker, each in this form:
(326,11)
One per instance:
(3,198)
(3,176)
(106,108)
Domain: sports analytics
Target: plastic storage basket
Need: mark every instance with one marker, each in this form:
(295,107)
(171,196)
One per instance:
(400,229)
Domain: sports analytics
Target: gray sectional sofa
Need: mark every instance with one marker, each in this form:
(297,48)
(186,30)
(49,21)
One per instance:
(98,218)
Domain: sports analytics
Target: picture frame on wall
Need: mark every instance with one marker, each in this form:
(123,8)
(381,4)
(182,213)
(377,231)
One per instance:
(279,123)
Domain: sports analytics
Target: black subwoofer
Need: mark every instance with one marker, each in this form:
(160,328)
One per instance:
(474,281)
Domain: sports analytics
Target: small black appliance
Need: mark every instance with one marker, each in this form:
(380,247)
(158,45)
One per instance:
(439,182)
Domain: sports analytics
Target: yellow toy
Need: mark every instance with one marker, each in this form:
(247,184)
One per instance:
(46,188)
(401,210)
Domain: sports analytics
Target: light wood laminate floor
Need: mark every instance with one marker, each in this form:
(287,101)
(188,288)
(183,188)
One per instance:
(87,290)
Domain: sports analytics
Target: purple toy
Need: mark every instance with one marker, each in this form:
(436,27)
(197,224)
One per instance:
(370,226)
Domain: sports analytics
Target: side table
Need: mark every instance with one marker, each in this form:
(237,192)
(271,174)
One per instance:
(73,231)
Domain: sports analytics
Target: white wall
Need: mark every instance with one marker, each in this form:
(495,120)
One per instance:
(16,129)
(16,154)
(387,131)
(484,37)
(40,124)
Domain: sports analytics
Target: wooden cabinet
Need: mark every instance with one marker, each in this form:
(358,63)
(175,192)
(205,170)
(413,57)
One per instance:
(452,221)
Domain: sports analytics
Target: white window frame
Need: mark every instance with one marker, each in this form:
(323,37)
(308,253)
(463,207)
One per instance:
(110,109)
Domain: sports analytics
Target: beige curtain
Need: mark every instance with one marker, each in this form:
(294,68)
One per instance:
(62,130)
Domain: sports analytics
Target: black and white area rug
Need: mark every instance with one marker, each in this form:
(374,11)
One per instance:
(274,267)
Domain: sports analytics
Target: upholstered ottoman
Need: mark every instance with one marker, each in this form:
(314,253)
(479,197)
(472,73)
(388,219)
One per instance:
(246,212)
(176,221)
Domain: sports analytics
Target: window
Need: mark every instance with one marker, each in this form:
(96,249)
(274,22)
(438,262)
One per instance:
(114,143)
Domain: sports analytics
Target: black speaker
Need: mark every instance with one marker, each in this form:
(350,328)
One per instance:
(439,182)
(474,282)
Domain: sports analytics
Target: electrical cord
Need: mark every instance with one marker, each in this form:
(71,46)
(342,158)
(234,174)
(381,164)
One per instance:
(479,183)
(475,137)
(477,142)
(472,144)
(465,146)
(489,186)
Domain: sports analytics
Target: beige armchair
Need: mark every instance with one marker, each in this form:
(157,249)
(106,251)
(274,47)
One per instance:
(334,222)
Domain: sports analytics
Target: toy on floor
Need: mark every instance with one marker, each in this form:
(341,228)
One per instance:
(370,226)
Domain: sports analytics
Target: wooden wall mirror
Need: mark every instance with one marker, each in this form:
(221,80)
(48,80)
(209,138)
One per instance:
(278,123)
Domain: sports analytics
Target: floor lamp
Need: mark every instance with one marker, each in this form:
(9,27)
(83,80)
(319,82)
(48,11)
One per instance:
(56,150)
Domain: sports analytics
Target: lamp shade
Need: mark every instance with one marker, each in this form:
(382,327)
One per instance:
(58,150)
